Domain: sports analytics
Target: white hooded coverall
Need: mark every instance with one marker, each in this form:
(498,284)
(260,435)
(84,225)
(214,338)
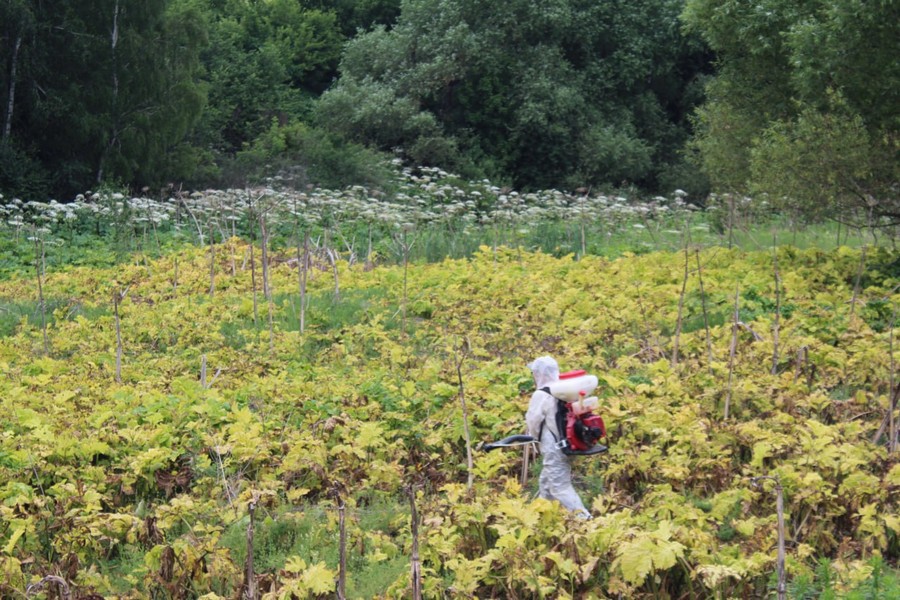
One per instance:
(556,475)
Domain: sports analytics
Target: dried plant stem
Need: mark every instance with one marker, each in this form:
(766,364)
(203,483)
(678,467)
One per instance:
(175,278)
(233,262)
(65,593)
(732,351)
(304,273)
(892,402)
(404,248)
(859,272)
(526,459)
(779,508)
(267,287)
(460,357)
(776,327)
(39,270)
(250,591)
(253,269)
(264,255)
(709,351)
(731,218)
(212,260)
(415,565)
(117,297)
(681,303)
(342,551)
(332,259)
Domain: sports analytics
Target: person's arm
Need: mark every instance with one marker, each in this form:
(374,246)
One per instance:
(537,412)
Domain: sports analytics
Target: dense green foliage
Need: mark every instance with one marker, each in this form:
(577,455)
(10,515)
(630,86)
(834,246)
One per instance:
(794,104)
(804,103)
(570,93)
(175,91)
(97,91)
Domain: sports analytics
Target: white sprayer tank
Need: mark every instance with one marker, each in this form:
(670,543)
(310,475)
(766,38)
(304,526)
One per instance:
(573,386)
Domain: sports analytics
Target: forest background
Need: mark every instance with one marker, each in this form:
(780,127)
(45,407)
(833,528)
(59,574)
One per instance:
(796,102)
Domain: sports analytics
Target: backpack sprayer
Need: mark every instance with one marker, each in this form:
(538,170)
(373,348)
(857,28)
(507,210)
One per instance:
(579,427)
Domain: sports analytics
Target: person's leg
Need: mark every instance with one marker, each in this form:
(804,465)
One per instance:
(556,481)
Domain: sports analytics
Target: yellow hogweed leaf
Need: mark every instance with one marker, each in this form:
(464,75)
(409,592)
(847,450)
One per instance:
(713,575)
(635,560)
(893,476)
(744,527)
(565,565)
(370,435)
(18,529)
(587,569)
(295,564)
(892,522)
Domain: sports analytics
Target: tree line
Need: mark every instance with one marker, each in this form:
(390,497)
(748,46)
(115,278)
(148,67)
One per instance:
(792,102)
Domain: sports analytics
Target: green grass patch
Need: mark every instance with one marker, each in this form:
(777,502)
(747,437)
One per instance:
(313,535)
(13,313)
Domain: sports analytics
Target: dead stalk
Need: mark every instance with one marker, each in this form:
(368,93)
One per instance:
(892,404)
(526,458)
(681,303)
(859,272)
(779,507)
(776,327)
(461,354)
(332,259)
(732,350)
(250,591)
(709,351)
(117,298)
(342,550)
(175,279)
(38,266)
(304,301)
(253,269)
(267,289)
(65,593)
(212,260)
(415,565)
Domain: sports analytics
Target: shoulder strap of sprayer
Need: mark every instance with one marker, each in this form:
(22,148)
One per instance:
(560,417)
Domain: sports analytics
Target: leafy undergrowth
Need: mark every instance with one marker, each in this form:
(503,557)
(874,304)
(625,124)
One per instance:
(142,488)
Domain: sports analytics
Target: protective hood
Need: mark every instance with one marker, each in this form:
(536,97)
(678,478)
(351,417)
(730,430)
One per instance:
(545,371)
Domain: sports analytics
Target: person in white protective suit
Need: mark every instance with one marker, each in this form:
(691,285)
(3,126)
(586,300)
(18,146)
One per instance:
(555,482)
